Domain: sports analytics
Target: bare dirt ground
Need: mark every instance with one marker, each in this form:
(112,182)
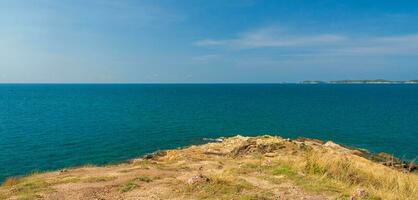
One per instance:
(236,168)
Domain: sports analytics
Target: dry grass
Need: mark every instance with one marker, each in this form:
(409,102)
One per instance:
(316,171)
(324,171)
(27,187)
(224,186)
(354,172)
(127,186)
(11,181)
(96,179)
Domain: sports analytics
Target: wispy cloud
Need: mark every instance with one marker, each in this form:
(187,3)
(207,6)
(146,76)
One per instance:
(317,44)
(272,37)
(206,58)
(209,42)
(386,45)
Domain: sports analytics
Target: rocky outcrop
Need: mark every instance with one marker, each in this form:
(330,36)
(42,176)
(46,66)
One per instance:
(264,167)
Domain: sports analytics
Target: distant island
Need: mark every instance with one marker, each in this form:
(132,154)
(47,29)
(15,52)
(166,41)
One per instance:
(375,81)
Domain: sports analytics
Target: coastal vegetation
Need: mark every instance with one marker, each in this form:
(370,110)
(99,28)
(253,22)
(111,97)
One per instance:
(375,81)
(264,167)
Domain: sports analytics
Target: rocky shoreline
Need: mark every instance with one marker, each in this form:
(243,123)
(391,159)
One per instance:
(382,157)
(264,167)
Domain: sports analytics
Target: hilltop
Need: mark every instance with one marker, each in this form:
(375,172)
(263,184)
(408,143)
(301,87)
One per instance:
(264,167)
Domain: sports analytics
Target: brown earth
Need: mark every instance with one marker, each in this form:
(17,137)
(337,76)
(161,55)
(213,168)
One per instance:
(262,167)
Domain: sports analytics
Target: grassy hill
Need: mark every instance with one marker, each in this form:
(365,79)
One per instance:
(262,167)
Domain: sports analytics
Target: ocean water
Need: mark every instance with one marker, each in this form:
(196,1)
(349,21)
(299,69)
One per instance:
(46,127)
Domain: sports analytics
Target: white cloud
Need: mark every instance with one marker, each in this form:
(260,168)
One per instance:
(387,45)
(401,38)
(272,37)
(324,44)
(209,42)
(206,58)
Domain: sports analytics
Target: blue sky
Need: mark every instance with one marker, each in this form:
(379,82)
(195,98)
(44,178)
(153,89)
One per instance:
(216,41)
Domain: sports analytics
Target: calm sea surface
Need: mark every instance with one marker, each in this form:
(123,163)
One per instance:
(45,127)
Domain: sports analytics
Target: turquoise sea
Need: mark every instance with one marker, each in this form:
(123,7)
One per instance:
(46,127)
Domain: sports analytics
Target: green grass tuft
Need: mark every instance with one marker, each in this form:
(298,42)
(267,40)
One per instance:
(127,187)
(146,179)
(283,171)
